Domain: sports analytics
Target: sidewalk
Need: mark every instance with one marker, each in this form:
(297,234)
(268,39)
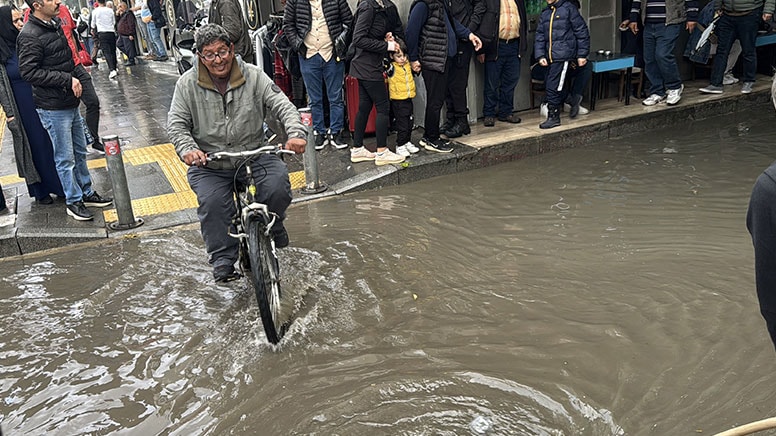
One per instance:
(135,108)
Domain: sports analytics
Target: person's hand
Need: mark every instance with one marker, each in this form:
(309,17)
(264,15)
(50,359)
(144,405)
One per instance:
(392,46)
(76,86)
(767,17)
(634,27)
(131,38)
(481,58)
(389,37)
(581,61)
(476,41)
(195,157)
(543,62)
(297,145)
(9,119)
(691,25)
(624,25)
(415,66)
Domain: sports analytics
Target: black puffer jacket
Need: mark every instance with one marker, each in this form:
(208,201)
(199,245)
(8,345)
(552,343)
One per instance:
(372,23)
(298,17)
(46,62)
(432,44)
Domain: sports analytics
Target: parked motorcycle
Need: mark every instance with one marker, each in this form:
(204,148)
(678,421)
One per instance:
(183,36)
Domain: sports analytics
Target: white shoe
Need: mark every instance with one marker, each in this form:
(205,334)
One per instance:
(567,108)
(543,110)
(388,157)
(653,100)
(113,74)
(411,147)
(361,154)
(729,79)
(674,95)
(402,151)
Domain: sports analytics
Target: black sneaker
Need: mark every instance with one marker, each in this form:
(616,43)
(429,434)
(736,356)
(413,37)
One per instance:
(79,211)
(320,141)
(439,145)
(99,147)
(225,273)
(337,141)
(280,237)
(95,200)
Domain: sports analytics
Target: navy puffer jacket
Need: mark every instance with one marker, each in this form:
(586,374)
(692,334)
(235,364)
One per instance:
(562,34)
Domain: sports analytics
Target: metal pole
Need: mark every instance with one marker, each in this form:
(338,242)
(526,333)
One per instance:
(118,179)
(311,176)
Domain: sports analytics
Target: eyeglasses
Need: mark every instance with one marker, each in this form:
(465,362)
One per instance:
(18,19)
(210,57)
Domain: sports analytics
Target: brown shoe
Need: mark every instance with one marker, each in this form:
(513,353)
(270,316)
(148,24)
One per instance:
(512,118)
(490,121)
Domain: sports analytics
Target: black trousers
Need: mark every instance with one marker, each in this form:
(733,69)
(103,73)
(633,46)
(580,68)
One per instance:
(127,46)
(92,103)
(108,47)
(761,222)
(436,88)
(458,80)
(402,111)
(372,93)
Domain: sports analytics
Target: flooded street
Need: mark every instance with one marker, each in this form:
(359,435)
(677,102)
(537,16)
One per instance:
(606,290)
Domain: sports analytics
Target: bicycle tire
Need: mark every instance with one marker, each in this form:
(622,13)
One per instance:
(266,280)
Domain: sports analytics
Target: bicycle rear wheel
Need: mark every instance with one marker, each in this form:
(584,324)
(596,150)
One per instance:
(266,280)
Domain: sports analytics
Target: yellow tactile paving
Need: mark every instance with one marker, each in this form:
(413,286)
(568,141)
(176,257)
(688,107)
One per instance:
(157,205)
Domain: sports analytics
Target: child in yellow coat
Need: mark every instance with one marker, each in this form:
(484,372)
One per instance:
(401,90)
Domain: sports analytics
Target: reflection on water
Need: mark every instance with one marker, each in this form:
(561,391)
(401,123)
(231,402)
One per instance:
(598,291)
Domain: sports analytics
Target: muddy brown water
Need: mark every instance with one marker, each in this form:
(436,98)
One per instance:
(605,290)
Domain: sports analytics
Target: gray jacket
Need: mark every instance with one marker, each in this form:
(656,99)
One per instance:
(201,118)
(21,144)
(745,5)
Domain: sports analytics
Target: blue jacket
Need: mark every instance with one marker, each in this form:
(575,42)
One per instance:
(562,34)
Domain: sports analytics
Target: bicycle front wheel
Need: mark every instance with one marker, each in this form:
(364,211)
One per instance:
(266,280)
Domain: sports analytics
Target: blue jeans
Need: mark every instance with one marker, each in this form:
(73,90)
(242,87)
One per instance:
(317,73)
(659,60)
(501,76)
(66,129)
(156,40)
(728,29)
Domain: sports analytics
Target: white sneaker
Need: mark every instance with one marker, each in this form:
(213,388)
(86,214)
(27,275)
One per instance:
(729,79)
(746,88)
(543,110)
(402,151)
(674,95)
(653,100)
(113,74)
(411,147)
(388,157)
(361,154)
(567,108)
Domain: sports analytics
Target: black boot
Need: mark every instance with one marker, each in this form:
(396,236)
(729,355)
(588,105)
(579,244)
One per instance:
(553,118)
(576,100)
(464,123)
(449,123)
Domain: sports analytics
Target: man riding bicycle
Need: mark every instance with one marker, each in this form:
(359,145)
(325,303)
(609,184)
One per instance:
(220,105)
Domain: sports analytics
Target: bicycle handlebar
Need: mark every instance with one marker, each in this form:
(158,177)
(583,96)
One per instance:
(267,149)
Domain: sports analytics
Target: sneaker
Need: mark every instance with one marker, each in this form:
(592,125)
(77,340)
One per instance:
(729,79)
(388,157)
(361,154)
(320,141)
(402,151)
(161,59)
(712,89)
(225,273)
(46,199)
(98,147)
(437,145)
(280,237)
(95,200)
(674,95)
(746,88)
(79,211)
(543,109)
(113,74)
(411,147)
(653,100)
(338,141)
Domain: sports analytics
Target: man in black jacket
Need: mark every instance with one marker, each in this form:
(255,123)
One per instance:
(126,27)
(312,27)
(46,62)
(469,13)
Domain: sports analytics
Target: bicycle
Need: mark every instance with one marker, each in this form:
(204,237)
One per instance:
(257,255)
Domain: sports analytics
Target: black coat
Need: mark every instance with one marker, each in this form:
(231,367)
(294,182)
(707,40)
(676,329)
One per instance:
(488,30)
(372,23)
(468,12)
(298,18)
(46,62)
(157,13)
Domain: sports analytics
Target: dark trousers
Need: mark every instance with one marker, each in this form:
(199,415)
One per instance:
(372,93)
(108,47)
(501,77)
(728,29)
(761,222)
(564,78)
(214,190)
(457,81)
(402,111)
(92,102)
(436,88)
(127,46)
